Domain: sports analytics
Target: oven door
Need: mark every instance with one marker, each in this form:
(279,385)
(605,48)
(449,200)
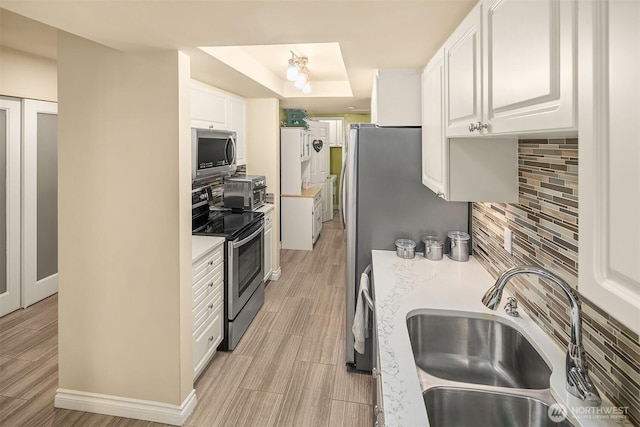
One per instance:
(258,197)
(245,258)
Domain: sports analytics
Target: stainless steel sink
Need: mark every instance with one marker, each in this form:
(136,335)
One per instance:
(476,351)
(461,407)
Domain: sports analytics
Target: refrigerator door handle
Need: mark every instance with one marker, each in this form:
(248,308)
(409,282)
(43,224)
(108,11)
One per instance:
(342,206)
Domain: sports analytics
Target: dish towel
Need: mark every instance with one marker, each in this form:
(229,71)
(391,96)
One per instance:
(361,319)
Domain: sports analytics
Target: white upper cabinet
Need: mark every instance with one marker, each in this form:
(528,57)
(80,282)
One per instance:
(529,66)
(609,167)
(214,109)
(336,130)
(208,108)
(237,123)
(395,98)
(463,83)
(510,69)
(462,169)
(434,163)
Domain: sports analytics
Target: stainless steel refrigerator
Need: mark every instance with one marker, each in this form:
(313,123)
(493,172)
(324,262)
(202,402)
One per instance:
(383,199)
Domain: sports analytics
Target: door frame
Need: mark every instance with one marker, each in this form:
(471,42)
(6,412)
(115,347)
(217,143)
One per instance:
(11,299)
(33,290)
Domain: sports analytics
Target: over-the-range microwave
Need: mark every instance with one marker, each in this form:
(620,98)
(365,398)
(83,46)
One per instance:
(213,152)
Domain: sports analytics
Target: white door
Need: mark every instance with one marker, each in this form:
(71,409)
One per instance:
(40,201)
(9,205)
(463,76)
(434,153)
(529,71)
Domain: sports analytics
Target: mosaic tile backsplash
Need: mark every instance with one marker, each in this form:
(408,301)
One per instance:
(545,233)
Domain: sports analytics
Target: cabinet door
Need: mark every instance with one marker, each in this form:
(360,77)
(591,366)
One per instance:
(609,167)
(237,124)
(208,108)
(268,248)
(434,155)
(529,72)
(463,69)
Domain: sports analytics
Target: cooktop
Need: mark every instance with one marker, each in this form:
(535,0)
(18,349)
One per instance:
(226,223)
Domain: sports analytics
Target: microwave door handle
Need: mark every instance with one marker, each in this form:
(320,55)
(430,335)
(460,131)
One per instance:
(233,147)
(244,241)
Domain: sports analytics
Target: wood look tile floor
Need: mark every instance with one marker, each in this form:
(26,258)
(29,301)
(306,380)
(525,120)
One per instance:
(288,369)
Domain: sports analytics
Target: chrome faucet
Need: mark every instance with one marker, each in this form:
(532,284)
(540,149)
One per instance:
(578,382)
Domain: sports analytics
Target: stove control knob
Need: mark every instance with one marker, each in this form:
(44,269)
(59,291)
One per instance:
(203,196)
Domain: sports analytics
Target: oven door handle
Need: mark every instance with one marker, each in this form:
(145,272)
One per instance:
(246,240)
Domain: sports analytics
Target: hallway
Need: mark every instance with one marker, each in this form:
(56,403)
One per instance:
(288,370)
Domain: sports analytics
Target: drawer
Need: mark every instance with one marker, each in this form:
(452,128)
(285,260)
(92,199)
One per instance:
(268,219)
(208,281)
(317,198)
(205,344)
(208,305)
(208,263)
(212,287)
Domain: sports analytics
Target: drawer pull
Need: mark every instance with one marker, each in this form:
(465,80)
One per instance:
(211,262)
(210,285)
(210,306)
(211,338)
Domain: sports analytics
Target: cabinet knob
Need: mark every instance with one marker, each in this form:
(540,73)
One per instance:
(472,127)
(210,306)
(211,262)
(211,338)
(377,410)
(440,194)
(374,373)
(483,126)
(210,285)
(210,126)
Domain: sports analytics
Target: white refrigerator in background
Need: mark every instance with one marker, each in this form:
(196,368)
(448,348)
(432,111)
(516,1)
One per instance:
(383,199)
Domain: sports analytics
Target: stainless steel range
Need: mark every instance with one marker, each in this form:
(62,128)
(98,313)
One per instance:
(244,258)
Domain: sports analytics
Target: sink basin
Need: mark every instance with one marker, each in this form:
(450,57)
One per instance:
(463,407)
(477,351)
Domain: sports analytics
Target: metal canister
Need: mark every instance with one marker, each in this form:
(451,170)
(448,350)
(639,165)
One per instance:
(458,245)
(405,248)
(432,248)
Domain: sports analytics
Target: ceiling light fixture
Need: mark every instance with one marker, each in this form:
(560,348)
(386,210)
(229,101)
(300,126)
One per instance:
(298,73)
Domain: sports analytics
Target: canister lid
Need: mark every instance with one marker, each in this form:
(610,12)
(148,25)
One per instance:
(434,241)
(405,243)
(458,235)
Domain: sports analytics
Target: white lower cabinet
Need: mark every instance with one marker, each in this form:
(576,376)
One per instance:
(267,209)
(208,298)
(301,219)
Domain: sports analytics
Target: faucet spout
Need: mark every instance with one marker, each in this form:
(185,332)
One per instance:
(578,382)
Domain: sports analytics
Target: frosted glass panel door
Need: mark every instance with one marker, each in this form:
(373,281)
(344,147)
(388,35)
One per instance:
(9,205)
(40,227)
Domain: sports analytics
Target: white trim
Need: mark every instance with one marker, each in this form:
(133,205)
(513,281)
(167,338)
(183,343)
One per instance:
(10,300)
(33,290)
(126,407)
(275,275)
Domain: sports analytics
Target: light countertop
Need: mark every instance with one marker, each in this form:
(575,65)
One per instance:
(405,287)
(266,208)
(307,192)
(202,244)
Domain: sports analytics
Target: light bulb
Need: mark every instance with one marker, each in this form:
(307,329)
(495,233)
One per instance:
(306,88)
(301,80)
(292,71)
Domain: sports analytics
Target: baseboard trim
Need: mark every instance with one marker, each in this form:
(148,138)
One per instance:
(146,410)
(276,274)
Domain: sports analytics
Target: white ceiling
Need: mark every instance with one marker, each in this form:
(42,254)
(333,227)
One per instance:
(370,34)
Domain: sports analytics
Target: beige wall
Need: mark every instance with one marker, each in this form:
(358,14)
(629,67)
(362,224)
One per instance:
(263,155)
(27,76)
(124,222)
